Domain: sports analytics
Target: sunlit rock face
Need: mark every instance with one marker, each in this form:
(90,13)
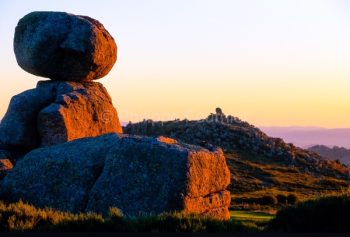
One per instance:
(56,112)
(139,175)
(64,47)
(79,110)
(72,155)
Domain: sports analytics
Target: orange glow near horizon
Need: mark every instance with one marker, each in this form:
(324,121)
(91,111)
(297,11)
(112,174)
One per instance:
(270,63)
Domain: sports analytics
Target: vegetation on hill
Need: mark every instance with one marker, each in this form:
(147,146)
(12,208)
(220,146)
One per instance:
(327,214)
(259,165)
(23,217)
(335,153)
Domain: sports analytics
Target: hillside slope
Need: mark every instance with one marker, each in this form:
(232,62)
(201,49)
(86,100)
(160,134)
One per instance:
(259,164)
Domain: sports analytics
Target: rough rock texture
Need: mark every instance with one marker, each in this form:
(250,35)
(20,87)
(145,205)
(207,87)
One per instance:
(60,177)
(18,127)
(162,175)
(136,174)
(5,167)
(80,110)
(56,112)
(64,46)
(232,135)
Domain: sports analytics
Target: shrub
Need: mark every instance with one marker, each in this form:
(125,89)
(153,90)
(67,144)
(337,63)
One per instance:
(327,214)
(267,200)
(292,199)
(281,199)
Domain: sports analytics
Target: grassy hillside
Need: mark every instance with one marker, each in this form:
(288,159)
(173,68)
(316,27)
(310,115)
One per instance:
(260,165)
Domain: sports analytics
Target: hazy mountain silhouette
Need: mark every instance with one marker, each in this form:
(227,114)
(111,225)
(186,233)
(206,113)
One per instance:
(309,136)
(335,153)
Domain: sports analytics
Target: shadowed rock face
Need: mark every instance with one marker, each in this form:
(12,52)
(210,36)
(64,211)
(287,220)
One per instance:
(136,174)
(64,47)
(56,112)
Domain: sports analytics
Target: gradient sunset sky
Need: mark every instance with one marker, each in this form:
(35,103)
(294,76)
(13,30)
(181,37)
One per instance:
(269,62)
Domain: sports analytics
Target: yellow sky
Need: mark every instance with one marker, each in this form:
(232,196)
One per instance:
(271,63)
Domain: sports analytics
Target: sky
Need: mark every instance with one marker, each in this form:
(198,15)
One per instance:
(271,62)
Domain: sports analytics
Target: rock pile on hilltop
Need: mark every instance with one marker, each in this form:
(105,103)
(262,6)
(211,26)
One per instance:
(101,168)
(232,134)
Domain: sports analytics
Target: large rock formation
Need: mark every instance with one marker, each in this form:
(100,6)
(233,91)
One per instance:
(136,174)
(56,112)
(64,46)
(71,50)
(104,168)
(146,175)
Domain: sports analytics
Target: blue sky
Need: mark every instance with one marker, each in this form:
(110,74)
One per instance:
(271,62)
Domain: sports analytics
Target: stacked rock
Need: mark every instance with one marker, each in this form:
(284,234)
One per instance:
(97,170)
(72,51)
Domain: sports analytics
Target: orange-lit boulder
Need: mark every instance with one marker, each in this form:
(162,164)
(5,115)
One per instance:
(63,46)
(139,175)
(80,110)
(56,112)
(147,175)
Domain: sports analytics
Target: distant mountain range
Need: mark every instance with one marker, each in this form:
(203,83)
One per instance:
(335,153)
(306,137)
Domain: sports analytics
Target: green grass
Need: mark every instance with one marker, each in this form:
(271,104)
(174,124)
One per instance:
(251,215)
(252,219)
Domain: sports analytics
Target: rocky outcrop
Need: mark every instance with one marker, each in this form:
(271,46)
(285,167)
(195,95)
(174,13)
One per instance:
(147,175)
(64,47)
(136,174)
(19,125)
(56,112)
(66,140)
(232,135)
(60,176)
(71,50)
(79,110)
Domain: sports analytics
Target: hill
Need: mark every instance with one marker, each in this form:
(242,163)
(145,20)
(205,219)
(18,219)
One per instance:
(310,136)
(260,165)
(335,153)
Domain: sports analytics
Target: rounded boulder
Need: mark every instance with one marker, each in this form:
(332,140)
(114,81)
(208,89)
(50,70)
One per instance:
(64,47)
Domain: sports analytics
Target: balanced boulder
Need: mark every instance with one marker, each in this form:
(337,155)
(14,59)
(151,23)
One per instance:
(63,46)
(139,175)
